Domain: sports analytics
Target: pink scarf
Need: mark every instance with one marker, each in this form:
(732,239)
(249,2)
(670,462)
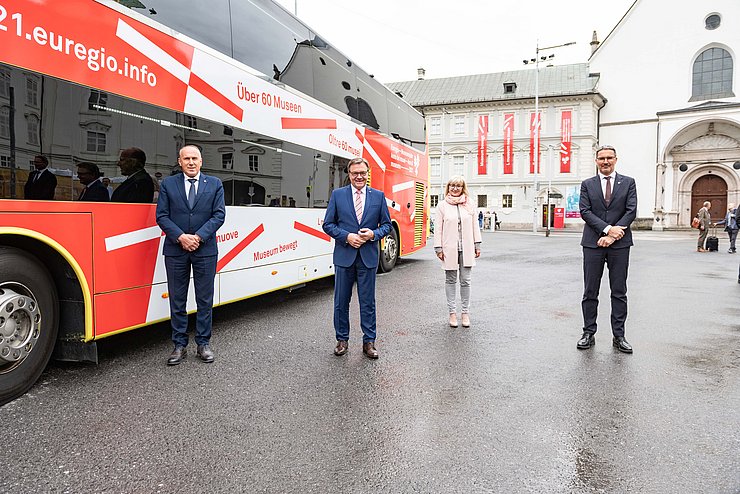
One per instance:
(461,200)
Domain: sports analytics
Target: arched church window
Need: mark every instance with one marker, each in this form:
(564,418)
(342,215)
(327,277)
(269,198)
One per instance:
(712,75)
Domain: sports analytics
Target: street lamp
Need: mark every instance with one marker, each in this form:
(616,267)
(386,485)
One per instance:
(536,61)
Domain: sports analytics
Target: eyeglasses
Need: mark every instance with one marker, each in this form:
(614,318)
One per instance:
(606,158)
(358,174)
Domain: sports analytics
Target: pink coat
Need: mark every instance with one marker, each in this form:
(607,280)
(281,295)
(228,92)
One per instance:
(446,236)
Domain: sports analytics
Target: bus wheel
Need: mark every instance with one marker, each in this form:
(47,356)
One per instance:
(389,252)
(28,321)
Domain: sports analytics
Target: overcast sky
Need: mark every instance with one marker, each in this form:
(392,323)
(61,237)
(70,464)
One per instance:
(392,38)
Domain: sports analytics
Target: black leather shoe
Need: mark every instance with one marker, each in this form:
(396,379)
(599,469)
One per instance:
(369,350)
(587,341)
(622,345)
(179,354)
(206,354)
(341,348)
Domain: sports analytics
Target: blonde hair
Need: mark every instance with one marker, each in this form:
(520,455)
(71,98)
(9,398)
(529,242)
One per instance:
(457,180)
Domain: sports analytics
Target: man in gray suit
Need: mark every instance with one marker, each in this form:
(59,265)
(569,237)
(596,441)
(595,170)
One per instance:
(608,206)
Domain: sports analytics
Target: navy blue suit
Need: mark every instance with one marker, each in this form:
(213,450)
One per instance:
(355,265)
(175,217)
(95,192)
(621,211)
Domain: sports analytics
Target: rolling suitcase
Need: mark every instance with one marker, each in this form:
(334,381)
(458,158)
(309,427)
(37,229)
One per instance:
(712,241)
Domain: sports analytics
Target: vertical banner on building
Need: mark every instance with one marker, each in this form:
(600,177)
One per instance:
(534,142)
(566,126)
(508,143)
(482,144)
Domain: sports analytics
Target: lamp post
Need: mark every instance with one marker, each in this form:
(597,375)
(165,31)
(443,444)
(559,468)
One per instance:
(442,169)
(536,61)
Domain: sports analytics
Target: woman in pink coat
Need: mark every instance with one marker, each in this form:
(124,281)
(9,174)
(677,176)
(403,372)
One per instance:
(457,244)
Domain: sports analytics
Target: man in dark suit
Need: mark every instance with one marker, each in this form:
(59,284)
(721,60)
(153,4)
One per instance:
(94,190)
(190,210)
(139,185)
(356,218)
(41,182)
(608,206)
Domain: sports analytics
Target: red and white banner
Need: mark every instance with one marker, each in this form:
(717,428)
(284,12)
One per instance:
(508,143)
(534,141)
(566,127)
(482,144)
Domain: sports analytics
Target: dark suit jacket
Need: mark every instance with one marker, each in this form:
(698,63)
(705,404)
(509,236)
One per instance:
(95,192)
(175,217)
(340,220)
(621,211)
(138,187)
(41,188)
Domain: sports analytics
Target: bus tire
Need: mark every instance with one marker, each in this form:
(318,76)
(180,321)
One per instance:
(29,311)
(389,252)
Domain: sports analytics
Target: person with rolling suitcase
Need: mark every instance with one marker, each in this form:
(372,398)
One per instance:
(705,220)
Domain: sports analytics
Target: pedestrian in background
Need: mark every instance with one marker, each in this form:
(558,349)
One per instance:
(705,221)
(608,205)
(480,219)
(457,240)
(730,222)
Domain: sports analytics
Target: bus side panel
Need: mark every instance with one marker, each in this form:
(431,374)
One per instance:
(127,248)
(69,231)
(405,167)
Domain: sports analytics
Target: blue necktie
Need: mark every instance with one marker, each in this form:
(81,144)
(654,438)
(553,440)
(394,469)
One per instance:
(191,193)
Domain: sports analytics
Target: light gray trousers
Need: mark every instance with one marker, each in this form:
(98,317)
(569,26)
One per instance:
(451,277)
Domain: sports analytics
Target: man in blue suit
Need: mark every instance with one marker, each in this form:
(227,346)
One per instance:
(356,218)
(190,210)
(608,206)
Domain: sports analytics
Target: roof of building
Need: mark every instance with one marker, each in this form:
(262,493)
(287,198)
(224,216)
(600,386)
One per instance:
(560,80)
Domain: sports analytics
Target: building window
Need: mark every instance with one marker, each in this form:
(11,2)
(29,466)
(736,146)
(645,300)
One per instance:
(5,122)
(33,129)
(97,101)
(435,165)
(482,201)
(509,87)
(458,165)
(435,126)
(32,92)
(4,83)
(191,122)
(712,75)
(459,124)
(96,142)
(712,22)
(507,201)
(227,161)
(254,163)
(4,161)
(433,201)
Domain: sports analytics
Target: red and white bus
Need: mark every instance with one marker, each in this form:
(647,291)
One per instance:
(275,109)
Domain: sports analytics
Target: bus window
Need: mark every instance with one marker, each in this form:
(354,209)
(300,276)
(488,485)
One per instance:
(268,39)
(207,22)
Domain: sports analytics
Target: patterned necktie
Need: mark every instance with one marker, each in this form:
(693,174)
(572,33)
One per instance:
(608,192)
(358,205)
(191,193)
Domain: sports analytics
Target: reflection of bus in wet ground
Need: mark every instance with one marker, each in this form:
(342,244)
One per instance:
(277,123)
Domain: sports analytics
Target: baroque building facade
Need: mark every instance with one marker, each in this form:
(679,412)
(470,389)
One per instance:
(456,111)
